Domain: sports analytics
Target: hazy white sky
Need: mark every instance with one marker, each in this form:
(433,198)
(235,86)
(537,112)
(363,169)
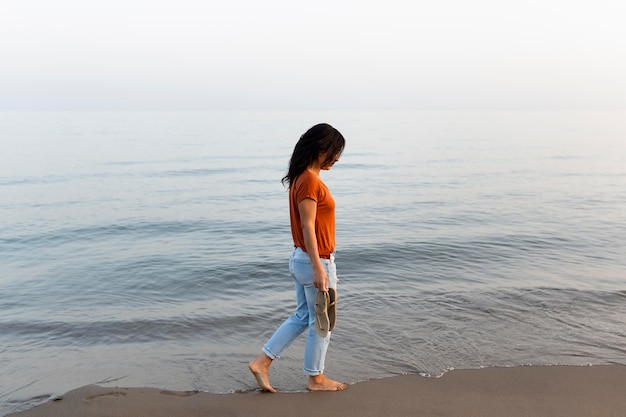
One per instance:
(284,54)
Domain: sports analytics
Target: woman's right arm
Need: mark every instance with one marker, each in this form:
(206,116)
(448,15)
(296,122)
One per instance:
(308,211)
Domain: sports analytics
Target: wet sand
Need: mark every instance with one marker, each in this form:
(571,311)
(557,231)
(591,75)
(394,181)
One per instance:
(551,391)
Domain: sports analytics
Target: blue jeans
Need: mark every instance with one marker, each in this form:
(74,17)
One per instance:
(304,317)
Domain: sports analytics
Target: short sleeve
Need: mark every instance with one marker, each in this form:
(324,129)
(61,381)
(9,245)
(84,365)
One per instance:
(307,186)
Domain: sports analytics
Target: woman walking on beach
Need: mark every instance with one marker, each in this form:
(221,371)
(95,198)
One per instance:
(312,262)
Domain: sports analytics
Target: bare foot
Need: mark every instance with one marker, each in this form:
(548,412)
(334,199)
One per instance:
(321,383)
(259,368)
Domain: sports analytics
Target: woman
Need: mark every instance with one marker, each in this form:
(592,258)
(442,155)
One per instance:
(312,266)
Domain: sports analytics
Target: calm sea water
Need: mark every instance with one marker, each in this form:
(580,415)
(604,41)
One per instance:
(150,248)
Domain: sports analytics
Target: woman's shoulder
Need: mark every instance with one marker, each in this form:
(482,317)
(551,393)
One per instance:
(308,184)
(308,178)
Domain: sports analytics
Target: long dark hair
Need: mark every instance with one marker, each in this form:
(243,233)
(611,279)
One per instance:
(315,141)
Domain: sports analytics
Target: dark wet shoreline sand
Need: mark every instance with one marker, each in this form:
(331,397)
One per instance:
(542,391)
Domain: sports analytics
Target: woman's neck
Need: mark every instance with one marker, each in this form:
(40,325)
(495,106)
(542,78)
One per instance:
(315,168)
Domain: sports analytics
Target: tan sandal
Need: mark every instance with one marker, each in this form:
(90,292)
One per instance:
(332,308)
(322,322)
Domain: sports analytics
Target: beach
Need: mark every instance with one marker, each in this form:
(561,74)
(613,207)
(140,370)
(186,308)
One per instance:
(528,391)
(150,249)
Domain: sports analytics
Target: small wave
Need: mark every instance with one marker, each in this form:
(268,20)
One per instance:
(199,172)
(137,229)
(112,332)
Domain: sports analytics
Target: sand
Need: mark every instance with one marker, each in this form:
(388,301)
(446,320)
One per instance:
(551,391)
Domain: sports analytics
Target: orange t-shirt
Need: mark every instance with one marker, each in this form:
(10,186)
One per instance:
(309,185)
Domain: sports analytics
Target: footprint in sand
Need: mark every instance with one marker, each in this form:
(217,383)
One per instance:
(106,394)
(179,393)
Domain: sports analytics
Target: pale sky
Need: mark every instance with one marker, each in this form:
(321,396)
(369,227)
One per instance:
(289,54)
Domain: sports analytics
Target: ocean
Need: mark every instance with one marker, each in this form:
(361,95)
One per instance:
(151,248)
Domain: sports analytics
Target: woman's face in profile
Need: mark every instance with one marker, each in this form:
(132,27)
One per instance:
(327,165)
